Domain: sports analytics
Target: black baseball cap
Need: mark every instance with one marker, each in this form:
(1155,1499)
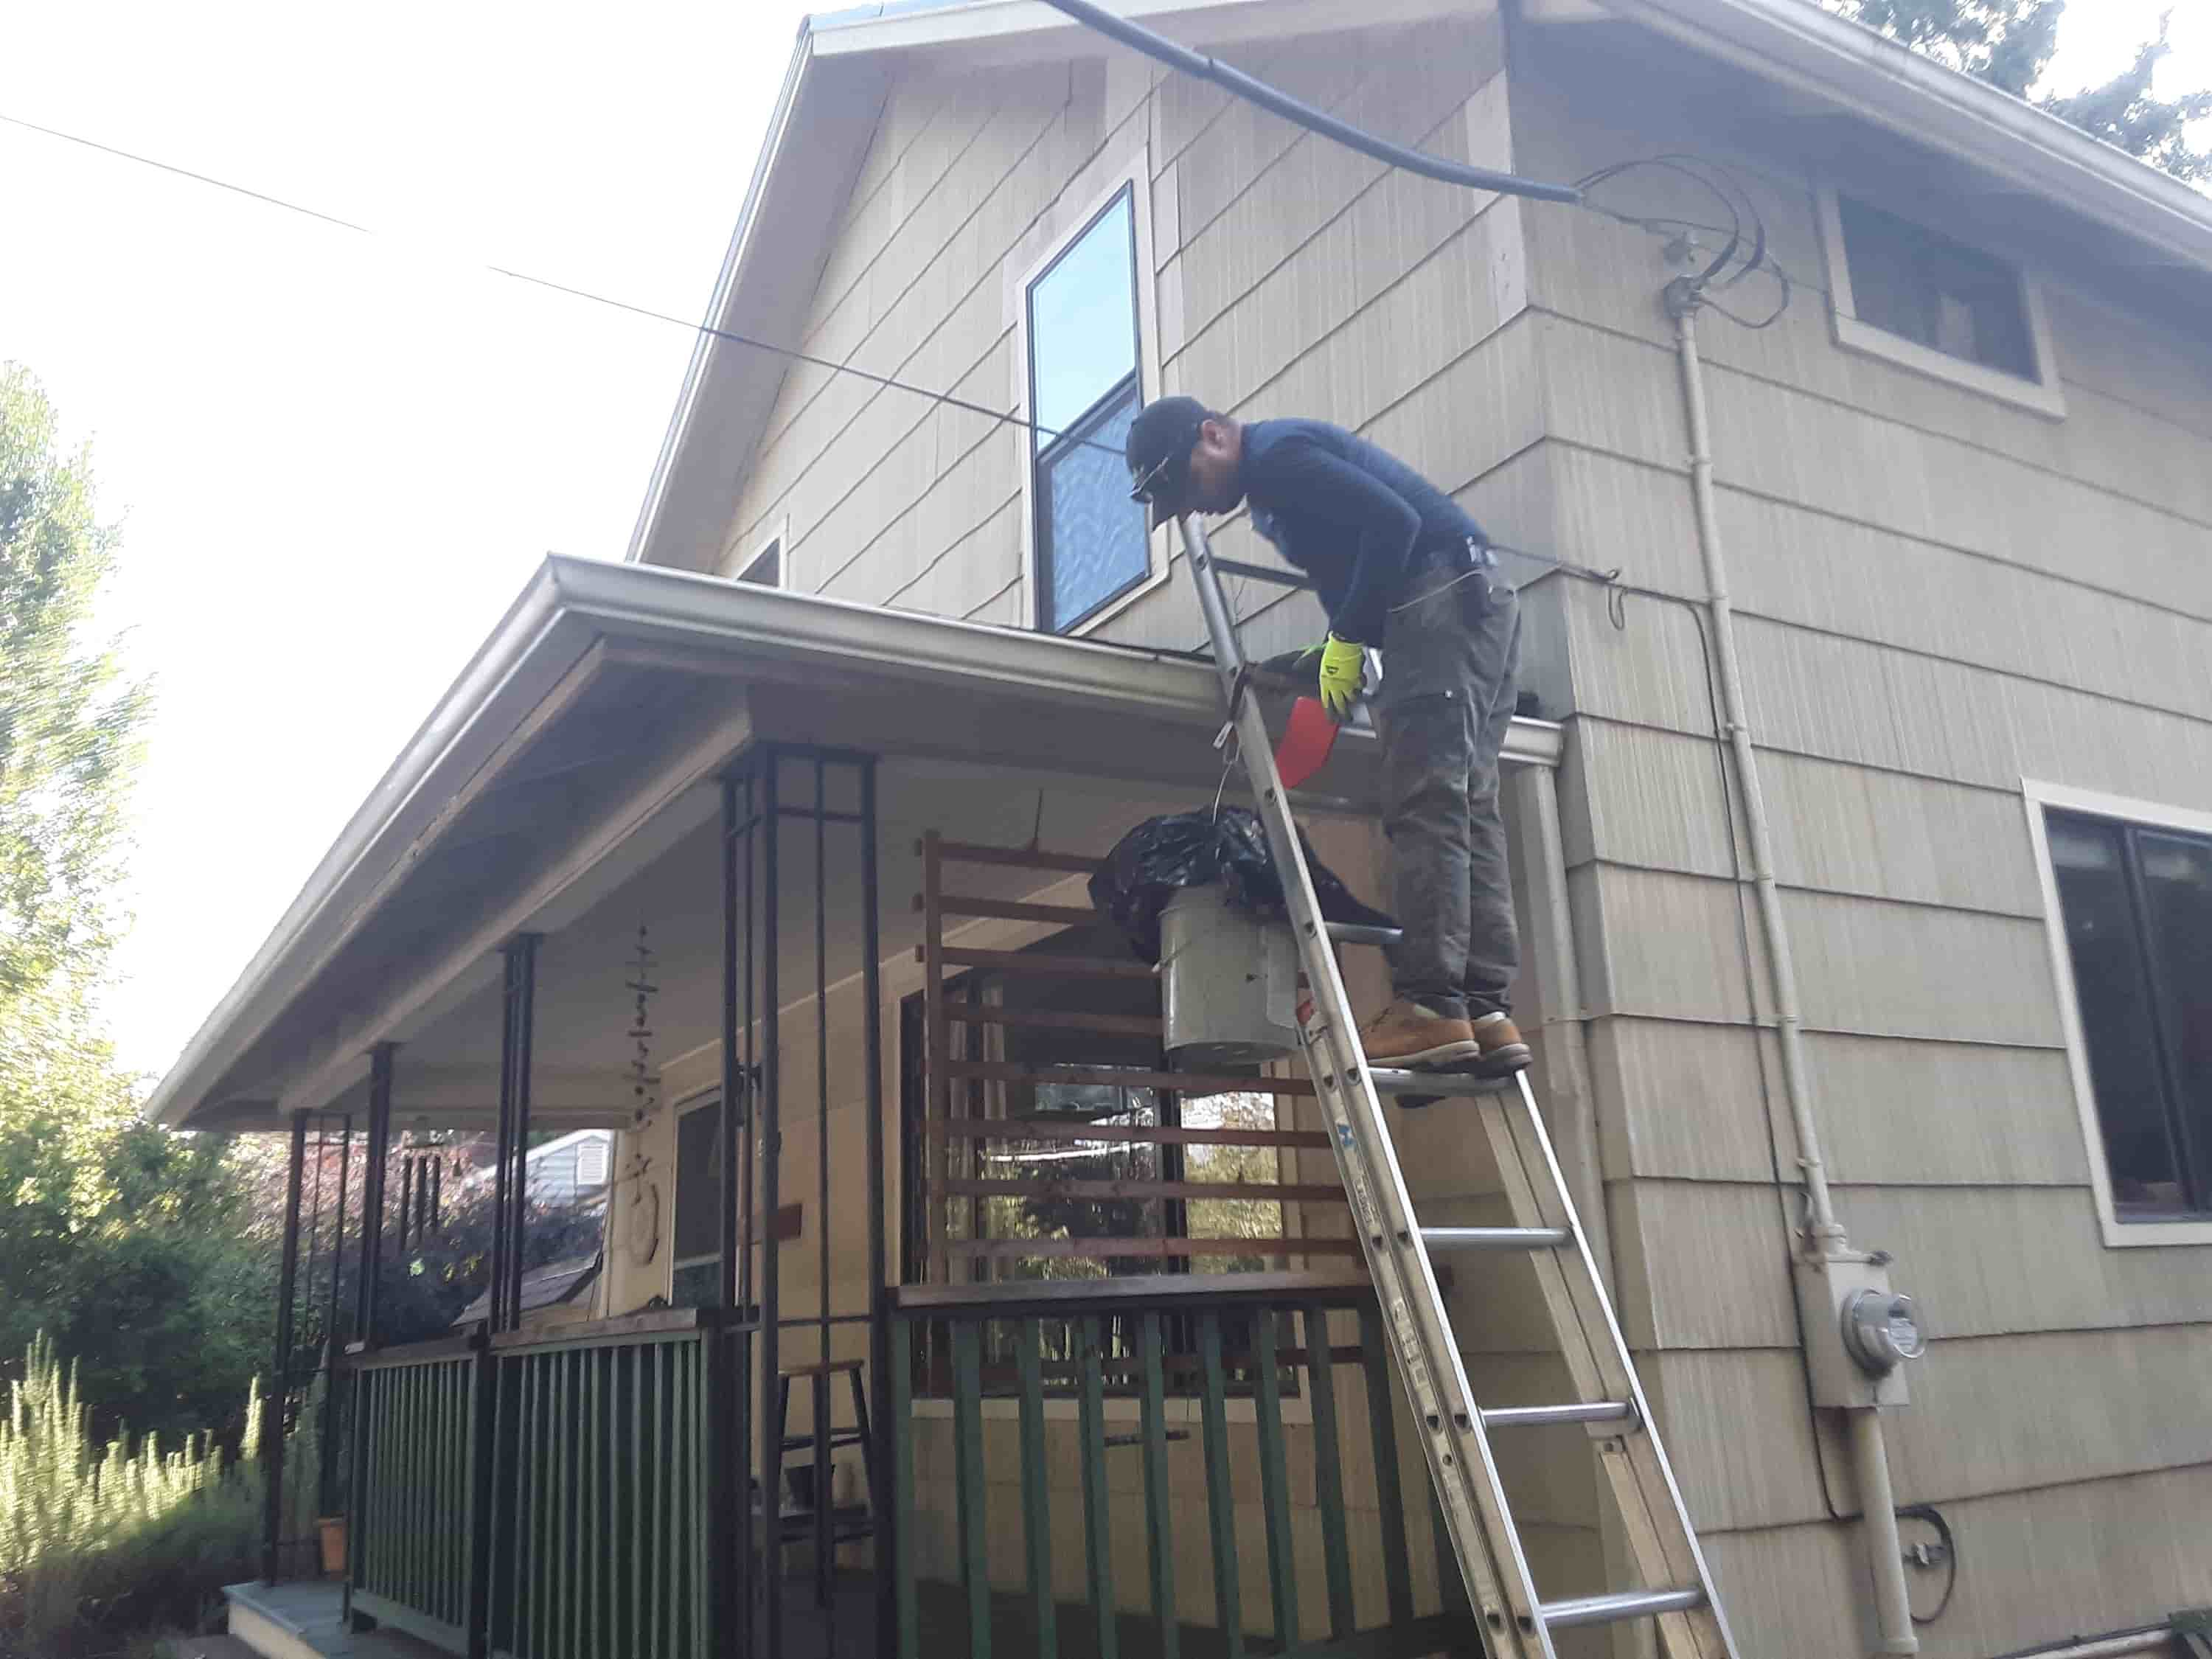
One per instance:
(1158,453)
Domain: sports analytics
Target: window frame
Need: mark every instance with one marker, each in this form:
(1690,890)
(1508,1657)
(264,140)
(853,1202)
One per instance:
(2041,798)
(709,1100)
(1063,225)
(2045,395)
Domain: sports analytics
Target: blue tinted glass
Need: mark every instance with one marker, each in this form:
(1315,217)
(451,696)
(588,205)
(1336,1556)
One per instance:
(1082,323)
(1094,534)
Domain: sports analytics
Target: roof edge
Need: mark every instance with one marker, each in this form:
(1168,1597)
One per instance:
(1799,43)
(726,282)
(567,606)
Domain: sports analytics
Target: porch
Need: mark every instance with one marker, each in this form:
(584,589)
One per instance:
(1092,1372)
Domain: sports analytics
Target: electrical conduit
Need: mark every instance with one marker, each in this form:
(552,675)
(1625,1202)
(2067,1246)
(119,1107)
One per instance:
(1824,1233)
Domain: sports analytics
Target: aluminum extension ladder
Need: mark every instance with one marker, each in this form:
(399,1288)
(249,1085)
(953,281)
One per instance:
(1455,1431)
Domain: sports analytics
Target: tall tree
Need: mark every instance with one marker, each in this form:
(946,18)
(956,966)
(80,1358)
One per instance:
(126,1243)
(2009,44)
(68,722)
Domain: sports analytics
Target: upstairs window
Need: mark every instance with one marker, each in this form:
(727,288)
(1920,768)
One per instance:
(1092,547)
(1945,295)
(1923,299)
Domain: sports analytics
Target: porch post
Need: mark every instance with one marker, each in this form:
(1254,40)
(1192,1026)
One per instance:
(882,1425)
(376,1156)
(525,951)
(729,1510)
(326,1479)
(509,1196)
(272,1403)
(770,1143)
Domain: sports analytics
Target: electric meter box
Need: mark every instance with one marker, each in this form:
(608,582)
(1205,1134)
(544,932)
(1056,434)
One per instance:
(1858,1332)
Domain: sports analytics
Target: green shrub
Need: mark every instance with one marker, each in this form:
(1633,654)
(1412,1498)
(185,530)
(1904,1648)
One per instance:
(100,1540)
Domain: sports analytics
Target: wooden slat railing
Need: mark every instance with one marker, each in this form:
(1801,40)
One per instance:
(410,1532)
(943,1129)
(953,1595)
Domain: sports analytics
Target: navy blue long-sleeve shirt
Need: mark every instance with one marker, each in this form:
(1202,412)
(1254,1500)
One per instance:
(1347,514)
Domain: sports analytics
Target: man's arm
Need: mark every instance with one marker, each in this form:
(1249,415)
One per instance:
(1308,485)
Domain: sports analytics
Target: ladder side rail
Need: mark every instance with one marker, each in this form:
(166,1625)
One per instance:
(1650,1499)
(1462,1468)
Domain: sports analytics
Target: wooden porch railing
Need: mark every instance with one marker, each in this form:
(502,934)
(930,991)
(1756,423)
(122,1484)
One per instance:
(417,1476)
(1210,1342)
(544,1495)
(600,1547)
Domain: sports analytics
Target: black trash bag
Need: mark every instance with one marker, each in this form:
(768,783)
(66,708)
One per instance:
(1162,855)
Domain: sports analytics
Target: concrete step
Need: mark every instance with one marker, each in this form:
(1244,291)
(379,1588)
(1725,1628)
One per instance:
(305,1620)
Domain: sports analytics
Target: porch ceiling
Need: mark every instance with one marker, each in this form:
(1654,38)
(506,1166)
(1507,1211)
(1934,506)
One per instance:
(564,786)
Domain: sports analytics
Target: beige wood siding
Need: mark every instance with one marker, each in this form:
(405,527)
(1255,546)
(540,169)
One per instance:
(1938,592)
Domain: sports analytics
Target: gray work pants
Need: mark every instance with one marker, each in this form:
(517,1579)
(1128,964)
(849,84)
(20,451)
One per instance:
(1448,660)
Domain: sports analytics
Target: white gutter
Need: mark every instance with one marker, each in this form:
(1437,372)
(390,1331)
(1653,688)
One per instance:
(1798,44)
(568,606)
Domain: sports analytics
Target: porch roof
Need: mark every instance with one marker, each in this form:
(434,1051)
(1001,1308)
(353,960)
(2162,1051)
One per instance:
(581,743)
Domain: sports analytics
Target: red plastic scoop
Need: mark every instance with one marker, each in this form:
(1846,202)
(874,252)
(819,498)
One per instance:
(1305,743)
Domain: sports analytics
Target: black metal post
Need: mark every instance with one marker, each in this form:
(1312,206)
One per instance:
(326,1484)
(406,1197)
(771,1155)
(502,1150)
(746,1312)
(727,1548)
(823,1532)
(526,954)
(377,1156)
(272,1402)
(881,1427)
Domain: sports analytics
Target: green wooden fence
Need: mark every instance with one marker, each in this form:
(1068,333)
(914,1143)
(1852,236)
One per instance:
(1216,1347)
(410,1534)
(546,1493)
(601,1547)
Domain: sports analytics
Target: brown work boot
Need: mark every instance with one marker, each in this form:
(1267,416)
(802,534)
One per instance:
(1406,1034)
(1503,1052)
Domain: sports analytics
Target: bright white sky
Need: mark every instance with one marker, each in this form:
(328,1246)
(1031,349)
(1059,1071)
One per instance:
(336,458)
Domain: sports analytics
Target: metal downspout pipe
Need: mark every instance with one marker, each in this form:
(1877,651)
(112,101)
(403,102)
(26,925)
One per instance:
(1824,1234)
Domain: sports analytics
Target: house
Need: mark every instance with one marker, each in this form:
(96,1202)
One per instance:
(884,675)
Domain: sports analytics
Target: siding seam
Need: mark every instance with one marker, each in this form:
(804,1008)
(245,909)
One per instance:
(1857,895)
(1812,395)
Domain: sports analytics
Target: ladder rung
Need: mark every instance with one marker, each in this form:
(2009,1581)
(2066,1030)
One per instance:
(1445,1085)
(1493,1238)
(1524,1417)
(1351,932)
(1624,1604)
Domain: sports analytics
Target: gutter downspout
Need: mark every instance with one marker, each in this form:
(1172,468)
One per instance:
(1824,1236)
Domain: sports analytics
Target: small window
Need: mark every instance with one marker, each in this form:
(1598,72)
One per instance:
(2137,902)
(1903,291)
(592,1160)
(1921,285)
(697,1261)
(1084,391)
(765,567)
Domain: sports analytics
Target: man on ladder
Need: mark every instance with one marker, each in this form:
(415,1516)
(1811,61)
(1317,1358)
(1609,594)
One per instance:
(1399,566)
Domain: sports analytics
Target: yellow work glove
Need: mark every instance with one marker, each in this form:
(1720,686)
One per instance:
(1341,664)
